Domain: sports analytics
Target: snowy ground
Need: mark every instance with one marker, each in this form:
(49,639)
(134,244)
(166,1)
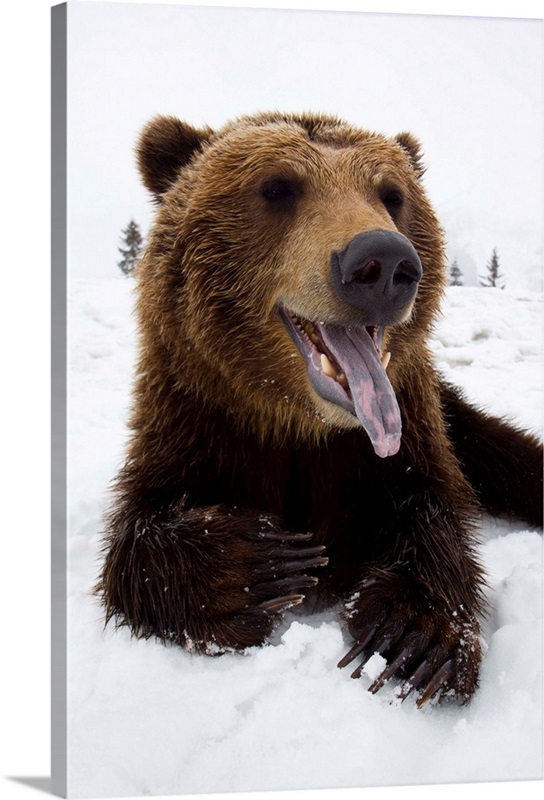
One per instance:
(147,719)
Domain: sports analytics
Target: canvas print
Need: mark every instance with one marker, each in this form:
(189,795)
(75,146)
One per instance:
(304,389)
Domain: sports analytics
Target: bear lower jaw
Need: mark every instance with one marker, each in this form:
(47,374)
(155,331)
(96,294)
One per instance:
(334,416)
(346,368)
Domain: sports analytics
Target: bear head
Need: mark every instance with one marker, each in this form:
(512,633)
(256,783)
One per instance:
(291,258)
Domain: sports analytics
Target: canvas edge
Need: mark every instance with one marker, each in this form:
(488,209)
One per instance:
(59,777)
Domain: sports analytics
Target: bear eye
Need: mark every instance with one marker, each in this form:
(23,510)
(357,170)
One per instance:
(392,199)
(280,191)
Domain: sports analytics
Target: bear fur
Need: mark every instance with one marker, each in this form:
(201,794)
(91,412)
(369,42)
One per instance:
(246,489)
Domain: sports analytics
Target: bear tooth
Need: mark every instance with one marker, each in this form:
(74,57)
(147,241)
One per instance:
(342,380)
(309,329)
(327,367)
(385,359)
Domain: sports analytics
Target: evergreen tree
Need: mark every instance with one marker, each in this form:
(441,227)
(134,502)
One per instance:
(493,277)
(456,276)
(132,239)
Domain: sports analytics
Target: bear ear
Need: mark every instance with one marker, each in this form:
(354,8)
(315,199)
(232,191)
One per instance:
(165,146)
(412,146)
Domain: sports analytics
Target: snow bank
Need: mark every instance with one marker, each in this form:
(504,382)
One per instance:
(147,719)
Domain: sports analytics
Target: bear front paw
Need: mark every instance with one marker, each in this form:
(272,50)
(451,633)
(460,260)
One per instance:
(209,579)
(434,650)
(277,582)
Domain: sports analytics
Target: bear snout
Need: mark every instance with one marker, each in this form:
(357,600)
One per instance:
(378,272)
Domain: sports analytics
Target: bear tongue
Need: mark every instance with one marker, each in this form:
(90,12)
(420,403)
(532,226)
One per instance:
(373,397)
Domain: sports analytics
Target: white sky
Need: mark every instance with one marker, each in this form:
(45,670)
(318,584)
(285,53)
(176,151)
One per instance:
(469,88)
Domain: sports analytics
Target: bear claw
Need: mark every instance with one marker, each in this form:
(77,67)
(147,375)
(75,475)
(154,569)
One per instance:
(285,537)
(306,552)
(440,671)
(390,670)
(357,648)
(280,604)
(439,680)
(309,563)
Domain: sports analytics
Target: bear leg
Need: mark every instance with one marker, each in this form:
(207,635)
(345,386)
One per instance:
(209,579)
(502,463)
(419,603)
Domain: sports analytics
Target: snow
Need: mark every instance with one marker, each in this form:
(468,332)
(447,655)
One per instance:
(148,719)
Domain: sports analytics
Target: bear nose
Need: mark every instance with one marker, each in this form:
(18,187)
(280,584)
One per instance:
(377,272)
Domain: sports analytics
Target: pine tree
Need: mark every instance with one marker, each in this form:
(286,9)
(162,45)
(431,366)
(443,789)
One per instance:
(456,276)
(132,239)
(493,277)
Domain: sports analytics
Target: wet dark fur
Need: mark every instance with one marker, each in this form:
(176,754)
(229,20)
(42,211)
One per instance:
(230,501)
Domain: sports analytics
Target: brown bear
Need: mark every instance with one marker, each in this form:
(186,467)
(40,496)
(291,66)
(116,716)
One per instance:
(292,442)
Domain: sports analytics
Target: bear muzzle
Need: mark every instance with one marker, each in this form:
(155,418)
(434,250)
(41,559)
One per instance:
(378,272)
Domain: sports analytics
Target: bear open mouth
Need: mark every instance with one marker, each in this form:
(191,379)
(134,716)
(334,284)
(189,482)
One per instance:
(346,367)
